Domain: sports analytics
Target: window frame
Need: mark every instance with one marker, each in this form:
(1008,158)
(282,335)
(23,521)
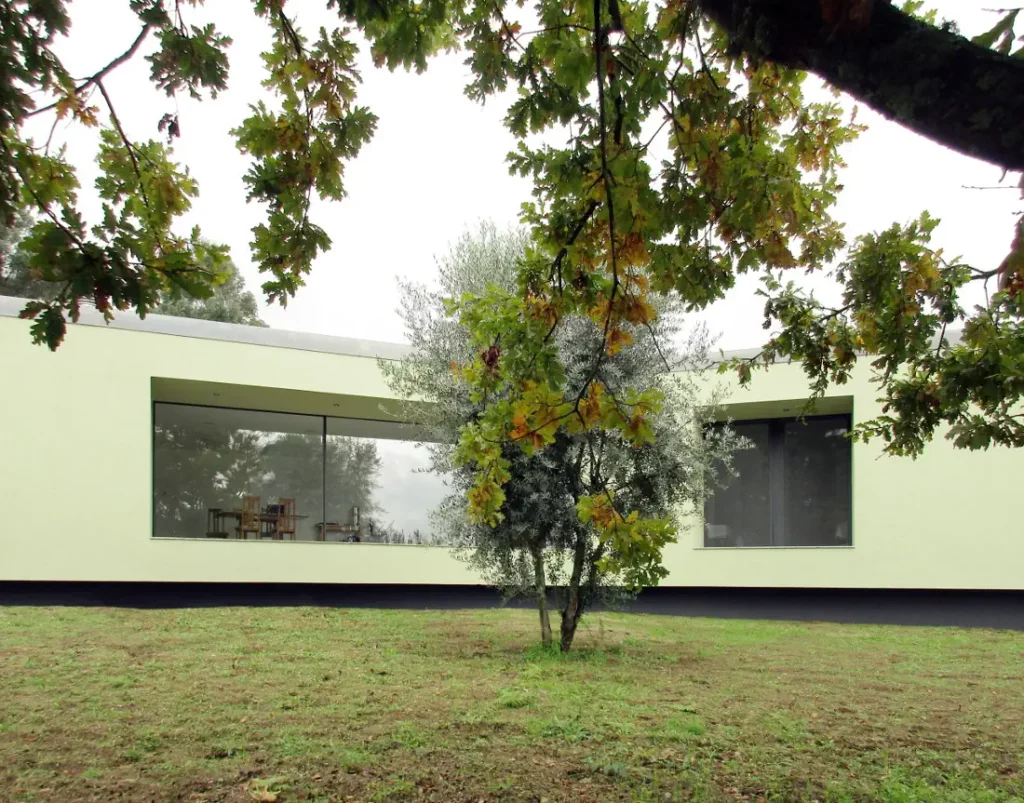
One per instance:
(323,442)
(777,480)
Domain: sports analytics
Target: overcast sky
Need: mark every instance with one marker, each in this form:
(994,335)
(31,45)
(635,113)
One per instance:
(436,167)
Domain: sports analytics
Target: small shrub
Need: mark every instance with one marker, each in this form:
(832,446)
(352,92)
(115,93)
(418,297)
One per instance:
(150,743)
(392,789)
(353,760)
(266,790)
(407,735)
(296,745)
(564,730)
(223,751)
(537,653)
(472,717)
(616,769)
(504,785)
(687,727)
(513,698)
(787,730)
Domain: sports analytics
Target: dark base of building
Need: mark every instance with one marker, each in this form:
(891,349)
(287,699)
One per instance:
(993,609)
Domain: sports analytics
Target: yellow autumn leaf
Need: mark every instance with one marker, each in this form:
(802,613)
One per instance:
(520,423)
(66,104)
(616,341)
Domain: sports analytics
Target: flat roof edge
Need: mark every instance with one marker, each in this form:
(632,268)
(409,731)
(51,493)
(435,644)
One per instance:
(228,332)
(285,338)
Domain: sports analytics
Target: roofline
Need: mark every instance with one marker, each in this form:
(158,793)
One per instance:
(229,332)
(282,338)
(720,356)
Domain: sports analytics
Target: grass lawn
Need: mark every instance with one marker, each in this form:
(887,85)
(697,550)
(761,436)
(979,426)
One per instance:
(335,705)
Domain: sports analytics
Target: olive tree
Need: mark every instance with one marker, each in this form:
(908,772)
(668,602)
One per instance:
(560,500)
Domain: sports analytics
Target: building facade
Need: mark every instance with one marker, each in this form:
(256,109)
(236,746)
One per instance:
(184,451)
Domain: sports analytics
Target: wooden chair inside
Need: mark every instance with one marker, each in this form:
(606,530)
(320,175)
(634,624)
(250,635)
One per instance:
(285,518)
(249,522)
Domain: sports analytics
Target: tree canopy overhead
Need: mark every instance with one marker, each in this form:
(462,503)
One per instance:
(228,302)
(671,147)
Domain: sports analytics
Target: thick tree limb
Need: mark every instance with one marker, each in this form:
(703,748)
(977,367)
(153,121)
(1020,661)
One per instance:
(927,79)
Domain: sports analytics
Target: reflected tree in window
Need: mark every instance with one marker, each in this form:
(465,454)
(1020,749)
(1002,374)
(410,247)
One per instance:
(352,480)
(293,468)
(790,486)
(206,460)
(197,470)
(373,485)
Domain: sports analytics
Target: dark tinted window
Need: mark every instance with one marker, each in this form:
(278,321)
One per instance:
(739,514)
(792,486)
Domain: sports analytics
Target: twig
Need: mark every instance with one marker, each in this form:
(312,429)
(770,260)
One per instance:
(942,338)
(978,274)
(178,16)
(97,76)
(128,146)
(603,134)
(293,35)
(703,61)
(49,138)
(566,26)
(44,207)
(539,427)
(657,346)
(556,265)
(289,30)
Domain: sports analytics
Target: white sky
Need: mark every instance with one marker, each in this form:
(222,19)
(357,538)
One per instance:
(436,167)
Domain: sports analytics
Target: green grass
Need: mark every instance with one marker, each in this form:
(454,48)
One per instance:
(350,705)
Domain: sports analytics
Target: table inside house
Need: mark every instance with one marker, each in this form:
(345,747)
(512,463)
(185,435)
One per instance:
(269,519)
(352,531)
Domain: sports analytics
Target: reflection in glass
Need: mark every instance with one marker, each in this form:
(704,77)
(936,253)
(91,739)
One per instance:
(217,471)
(792,486)
(739,514)
(379,487)
(817,465)
(225,473)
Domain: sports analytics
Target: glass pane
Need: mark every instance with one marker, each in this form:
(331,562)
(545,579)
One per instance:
(739,514)
(817,482)
(379,487)
(220,473)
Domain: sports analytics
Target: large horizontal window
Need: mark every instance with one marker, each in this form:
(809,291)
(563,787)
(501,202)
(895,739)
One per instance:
(792,486)
(245,474)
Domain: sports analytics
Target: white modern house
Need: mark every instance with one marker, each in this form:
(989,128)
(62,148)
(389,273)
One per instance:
(173,450)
